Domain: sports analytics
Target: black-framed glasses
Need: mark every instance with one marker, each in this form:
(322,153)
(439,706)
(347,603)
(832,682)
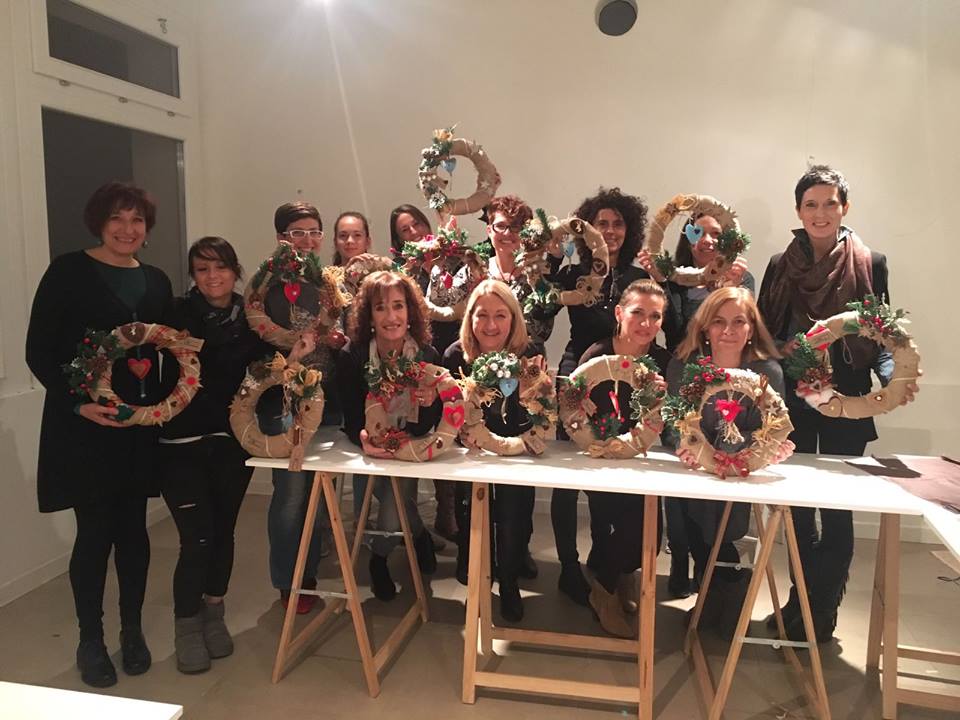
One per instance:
(301,234)
(502,228)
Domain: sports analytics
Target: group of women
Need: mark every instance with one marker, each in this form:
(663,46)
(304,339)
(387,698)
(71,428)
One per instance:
(104,470)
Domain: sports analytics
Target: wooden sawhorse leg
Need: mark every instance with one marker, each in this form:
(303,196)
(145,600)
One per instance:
(816,691)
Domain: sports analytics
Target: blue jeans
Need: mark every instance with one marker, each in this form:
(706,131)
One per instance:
(388,519)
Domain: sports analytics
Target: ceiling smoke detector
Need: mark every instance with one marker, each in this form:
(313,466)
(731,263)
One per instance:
(616,17)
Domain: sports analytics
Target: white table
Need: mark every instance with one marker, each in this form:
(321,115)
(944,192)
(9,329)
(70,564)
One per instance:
(811,481)
(31,702)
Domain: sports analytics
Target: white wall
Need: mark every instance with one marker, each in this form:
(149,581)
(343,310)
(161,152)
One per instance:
(730,98)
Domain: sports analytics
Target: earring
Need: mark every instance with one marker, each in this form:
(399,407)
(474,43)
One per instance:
(618,328)
(749,341)
(146,244)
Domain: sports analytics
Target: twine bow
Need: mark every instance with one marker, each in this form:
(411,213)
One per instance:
(727,464)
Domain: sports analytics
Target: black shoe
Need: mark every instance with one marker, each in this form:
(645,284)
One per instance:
(96,669)
(463,562)
(426,556)
(528,568)
(380,581)
(678,584)
(574,585)
(790,612)
(734,594)
(136,655)
(593,559)
(823,626)
(511,606)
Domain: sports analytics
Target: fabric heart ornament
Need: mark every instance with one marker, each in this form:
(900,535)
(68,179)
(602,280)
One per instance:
(292,291)
(124,412)
(729,409)
(454,415)
(140,368)
(134,332)
(450,164)
(508,386)
(693,232)
(447,280)
(569,248)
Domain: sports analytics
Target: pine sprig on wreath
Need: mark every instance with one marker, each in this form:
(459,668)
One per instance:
(665,264)
(605,426)
(879,318)
(696,378)
(96,352)
(731,243)
(288,265)
(805,363)
(646,395)
(395,373)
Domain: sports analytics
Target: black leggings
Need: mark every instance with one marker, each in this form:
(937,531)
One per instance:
(204,483)
(115,523)
(619,540)
(512,515)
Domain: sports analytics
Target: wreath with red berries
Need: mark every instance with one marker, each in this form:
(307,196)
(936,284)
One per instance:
(90,373)
(292,269)
(809,365)
(599,435)
(702,381)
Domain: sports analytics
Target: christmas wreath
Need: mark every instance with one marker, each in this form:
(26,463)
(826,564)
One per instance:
(600,435)
(809,365)
(302,399)
(292,269)
(356,269)
(732,241)
(443,153)
(90,373)
(499,375)
(701,382)
(395,384)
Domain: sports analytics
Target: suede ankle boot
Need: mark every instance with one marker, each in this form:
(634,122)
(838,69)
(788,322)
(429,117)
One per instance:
(609,611)
(215,634)
(189,644)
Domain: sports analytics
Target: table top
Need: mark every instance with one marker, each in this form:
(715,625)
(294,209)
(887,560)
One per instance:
(804,480)
(32,702)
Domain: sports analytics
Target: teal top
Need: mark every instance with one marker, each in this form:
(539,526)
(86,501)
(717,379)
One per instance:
(128,284)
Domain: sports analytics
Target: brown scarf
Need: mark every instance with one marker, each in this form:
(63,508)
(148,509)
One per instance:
(813,291)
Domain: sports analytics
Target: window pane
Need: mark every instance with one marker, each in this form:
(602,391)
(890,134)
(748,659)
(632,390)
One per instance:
(80,155)
(83,37)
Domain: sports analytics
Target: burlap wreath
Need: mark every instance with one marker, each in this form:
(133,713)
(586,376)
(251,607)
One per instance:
(729,245)
(178,343)
(303,396)
(871,319)
(427,447)
(577,410)
(306,269)
(356,269)
(707,381)
(537,397)
(443,153)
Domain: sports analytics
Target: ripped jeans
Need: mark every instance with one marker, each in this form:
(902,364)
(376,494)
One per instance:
(203,484)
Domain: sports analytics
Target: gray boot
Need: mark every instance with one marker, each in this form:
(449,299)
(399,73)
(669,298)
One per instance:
(192,655)
(215,633)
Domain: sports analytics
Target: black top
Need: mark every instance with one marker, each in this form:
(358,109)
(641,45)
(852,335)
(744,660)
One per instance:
(684,303)
(81,462)
(504,416)
(352,389)
(229,345)
(600,394)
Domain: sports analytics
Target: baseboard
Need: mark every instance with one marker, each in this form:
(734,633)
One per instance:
(32,579)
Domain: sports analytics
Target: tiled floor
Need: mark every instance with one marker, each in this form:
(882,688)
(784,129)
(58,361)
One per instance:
(39,640)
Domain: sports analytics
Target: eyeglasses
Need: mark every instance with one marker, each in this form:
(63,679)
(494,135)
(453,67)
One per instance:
(300,234)
(502,228)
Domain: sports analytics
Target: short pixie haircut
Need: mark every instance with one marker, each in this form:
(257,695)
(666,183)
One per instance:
(375,287)
(821,175)
(113,196)
(214,248)
(633,211)
(289,213)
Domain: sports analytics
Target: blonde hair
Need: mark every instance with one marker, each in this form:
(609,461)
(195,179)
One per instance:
(517,341)
(761,347)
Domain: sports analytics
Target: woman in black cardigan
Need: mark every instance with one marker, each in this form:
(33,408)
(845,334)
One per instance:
(493,322)
(87,461)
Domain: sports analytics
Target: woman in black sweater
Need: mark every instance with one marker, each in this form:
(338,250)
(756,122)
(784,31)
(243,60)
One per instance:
(389,319)
(88,461)
(616,552)
(493,322)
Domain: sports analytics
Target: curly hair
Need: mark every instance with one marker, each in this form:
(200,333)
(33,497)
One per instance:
(373,289)
(634,213)
(114,196)
(511,207)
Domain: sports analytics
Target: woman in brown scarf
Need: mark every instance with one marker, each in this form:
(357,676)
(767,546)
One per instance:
(825,267)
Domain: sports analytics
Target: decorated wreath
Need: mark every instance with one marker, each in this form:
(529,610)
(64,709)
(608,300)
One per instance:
(703,381)
(809,365)
(395,383)
(292,270)
(732,241)
(443,256)
(600,435)
(90,373)
(443,153)
(356,269)
(498,375)
(302,399)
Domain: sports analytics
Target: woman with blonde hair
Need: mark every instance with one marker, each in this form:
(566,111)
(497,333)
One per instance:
(494,322)
(727,328)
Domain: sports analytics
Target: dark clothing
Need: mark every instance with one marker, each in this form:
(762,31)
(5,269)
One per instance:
(204,485)
(444,335)
(352,387)
(115,523)
(684,303)
(80,461)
